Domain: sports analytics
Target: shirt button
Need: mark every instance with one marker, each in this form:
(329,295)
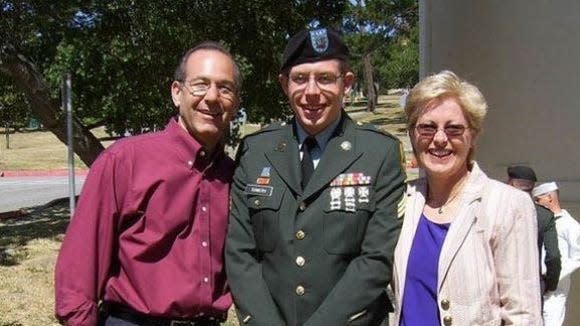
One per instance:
(300,290)
(302,206)
(205,279)
(300,235)
(447,321)
(203,208)
(445,304)
(300,261)
(204,243)
(202,153)
(190,163)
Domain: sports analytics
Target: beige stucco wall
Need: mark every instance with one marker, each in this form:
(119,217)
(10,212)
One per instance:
(525,57)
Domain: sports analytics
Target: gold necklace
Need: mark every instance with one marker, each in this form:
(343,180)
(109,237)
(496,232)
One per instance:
(440,209)
(452,198)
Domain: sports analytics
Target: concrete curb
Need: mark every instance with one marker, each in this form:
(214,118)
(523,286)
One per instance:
(41,173)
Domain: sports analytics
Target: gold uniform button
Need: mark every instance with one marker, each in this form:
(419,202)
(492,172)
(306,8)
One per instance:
(300,290)
(281,146)
(300,235)
(257,202)
(447,320)
(302,206)
(300,261)
(445,304)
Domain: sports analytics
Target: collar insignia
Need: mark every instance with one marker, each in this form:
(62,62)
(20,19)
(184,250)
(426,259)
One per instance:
(346,145)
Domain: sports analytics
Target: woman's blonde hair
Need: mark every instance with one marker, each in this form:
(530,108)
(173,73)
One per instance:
(444,85)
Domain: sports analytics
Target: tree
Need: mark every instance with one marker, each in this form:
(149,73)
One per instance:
(14,112)
(14,109)
(399,66)
(122,54)
(371,26)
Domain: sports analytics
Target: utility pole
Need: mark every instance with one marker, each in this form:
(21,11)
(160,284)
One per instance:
(67,105)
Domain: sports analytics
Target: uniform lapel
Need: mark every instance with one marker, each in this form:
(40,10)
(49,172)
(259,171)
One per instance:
(285,158)
(339,154)
(461,226)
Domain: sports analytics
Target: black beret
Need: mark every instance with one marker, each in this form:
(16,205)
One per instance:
(313,45)
(521,172)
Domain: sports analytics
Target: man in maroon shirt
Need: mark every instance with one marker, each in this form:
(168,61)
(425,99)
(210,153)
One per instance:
(145,246)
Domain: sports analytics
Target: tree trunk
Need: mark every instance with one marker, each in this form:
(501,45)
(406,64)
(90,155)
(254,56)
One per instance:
(7,132)
(370,83)
(30,81)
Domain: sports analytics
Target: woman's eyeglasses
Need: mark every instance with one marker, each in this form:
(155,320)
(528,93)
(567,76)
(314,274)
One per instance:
(429,130)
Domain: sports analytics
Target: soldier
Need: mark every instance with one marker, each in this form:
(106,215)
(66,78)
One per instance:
(568,230)
(524,178)
(315,202)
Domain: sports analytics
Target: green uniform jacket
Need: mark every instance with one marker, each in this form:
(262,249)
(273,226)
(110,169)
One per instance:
(548,237)
(322,256)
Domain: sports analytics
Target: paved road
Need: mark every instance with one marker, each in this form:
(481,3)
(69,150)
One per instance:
(18,192)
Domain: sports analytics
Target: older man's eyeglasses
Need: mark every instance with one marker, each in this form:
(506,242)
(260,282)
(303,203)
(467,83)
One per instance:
(323,80)
(429,130)
(201,88)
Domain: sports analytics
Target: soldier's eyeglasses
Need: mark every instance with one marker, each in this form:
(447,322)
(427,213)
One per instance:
(323,80)
(201,88)
(429,130)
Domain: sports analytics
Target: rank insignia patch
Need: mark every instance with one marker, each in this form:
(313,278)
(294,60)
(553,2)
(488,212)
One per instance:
(401,206)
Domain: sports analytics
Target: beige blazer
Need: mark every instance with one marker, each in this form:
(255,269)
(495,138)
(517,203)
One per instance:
(488,267)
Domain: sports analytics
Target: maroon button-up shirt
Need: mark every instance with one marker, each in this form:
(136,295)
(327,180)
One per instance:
(148,231)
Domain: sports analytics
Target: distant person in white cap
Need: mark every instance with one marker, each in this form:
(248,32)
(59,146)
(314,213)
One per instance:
(568,230)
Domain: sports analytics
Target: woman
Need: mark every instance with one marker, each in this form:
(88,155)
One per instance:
(467,250)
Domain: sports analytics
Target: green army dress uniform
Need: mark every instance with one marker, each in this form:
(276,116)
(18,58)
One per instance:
(548,239)
(323,255)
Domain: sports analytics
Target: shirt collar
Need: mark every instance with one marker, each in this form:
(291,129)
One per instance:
(187,146)
(322,137)
(562,213)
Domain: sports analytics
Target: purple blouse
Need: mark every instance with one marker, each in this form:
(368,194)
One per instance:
(148,231)
(419,306)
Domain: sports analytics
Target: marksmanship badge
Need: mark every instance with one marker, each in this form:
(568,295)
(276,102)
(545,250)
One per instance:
(319,40)
(349,199)
(335,200)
